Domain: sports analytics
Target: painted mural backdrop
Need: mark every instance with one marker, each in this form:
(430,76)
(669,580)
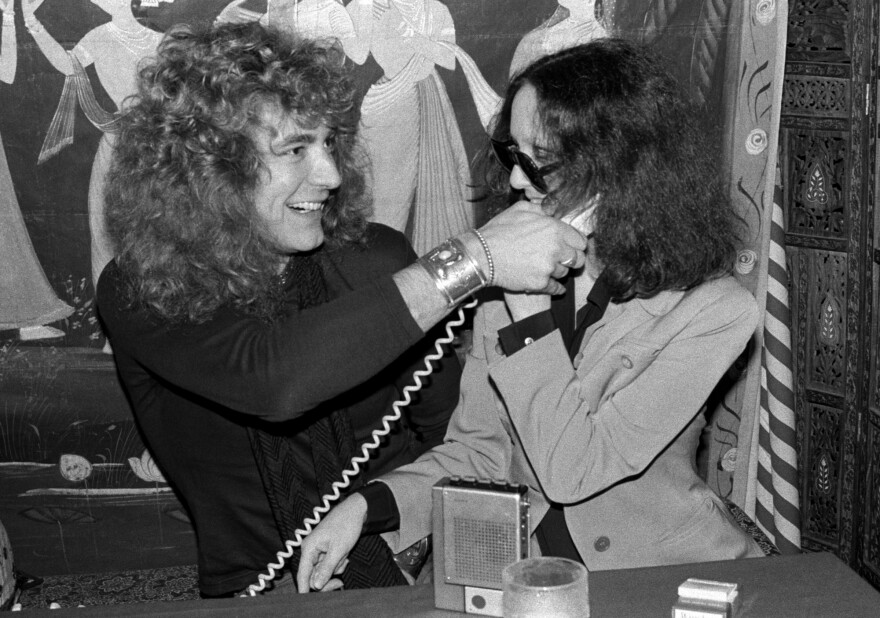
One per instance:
(79,490)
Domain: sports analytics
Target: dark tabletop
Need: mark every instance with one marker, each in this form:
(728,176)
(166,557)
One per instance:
(808,585)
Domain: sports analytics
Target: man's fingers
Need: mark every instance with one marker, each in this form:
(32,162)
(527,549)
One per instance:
(328,565)
(559,272)
(333,584)
(304,571)
(576,258)
(316,571)
(322,574)
(340,567)
(529,248)
(554,288)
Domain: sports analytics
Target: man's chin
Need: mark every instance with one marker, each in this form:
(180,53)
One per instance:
(303,247)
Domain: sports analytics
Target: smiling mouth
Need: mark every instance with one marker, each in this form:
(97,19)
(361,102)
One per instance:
(306,206)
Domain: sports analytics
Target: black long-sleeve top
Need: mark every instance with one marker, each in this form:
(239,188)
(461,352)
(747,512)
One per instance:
(195,389)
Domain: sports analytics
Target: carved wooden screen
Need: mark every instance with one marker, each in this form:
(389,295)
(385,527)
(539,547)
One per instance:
(826,151)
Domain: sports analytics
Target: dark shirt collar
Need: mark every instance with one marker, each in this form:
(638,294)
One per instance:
(562,308)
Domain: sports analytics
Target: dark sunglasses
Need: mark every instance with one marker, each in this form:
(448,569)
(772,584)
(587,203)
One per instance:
(509,155)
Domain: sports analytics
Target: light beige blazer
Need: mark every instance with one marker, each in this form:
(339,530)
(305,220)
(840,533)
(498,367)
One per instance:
(612,436)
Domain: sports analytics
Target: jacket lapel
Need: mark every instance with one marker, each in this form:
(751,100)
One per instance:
(620,320)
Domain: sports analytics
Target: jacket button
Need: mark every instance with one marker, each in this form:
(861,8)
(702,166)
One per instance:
(602,543)
(627,362)
(499,349)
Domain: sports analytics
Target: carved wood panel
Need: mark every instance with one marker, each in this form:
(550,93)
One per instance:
(818,91)
(817,30)
(870,536)
(820,520)
(817,180)
(828,158)
(827,333)
(863,116)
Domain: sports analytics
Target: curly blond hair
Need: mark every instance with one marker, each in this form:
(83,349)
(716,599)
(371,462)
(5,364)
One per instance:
(179,201)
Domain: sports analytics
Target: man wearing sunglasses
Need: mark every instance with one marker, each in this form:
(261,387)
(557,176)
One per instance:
(509,155)
(592,399)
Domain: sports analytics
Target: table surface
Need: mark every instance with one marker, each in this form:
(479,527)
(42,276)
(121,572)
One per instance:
(803,586)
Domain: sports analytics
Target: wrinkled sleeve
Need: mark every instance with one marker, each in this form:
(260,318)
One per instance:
(274,371)
(583,433)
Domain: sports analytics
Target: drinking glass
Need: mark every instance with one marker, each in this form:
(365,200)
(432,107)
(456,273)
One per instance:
(545,586)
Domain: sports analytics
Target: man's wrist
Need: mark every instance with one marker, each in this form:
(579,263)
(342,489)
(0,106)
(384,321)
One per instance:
(425,302)
(474,247)
(380,510)
(454,269)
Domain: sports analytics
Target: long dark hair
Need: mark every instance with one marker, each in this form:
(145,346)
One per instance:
(621,131)
(179,201)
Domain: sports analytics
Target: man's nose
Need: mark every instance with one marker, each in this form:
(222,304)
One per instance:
(324,171)
(518,179)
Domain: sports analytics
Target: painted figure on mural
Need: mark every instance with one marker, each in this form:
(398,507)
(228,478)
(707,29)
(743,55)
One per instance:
(420,167)
(115,48)
(27,301)
(315,18)
(573,22)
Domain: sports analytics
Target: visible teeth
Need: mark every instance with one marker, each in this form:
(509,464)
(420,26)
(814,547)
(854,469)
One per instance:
(309,206)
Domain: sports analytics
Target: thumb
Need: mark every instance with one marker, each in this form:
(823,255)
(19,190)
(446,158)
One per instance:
(304,570)
(310,559)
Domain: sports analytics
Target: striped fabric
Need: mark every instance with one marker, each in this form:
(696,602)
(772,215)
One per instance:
(777,502)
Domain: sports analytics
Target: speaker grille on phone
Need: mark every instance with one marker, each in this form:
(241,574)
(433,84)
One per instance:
(480,526)
(483,548)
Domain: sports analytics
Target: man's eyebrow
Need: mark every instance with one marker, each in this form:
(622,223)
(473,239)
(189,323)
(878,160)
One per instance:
(538,148)
(281,140)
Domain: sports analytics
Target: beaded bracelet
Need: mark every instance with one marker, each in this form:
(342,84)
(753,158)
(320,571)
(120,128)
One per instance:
(455,273)
(491,277)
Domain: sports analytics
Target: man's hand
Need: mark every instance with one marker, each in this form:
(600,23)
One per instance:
(325,551)
(531,250)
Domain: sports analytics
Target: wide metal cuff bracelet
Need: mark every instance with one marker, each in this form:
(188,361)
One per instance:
(455,272)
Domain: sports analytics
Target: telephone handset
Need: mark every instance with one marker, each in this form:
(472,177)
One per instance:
(355,464)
